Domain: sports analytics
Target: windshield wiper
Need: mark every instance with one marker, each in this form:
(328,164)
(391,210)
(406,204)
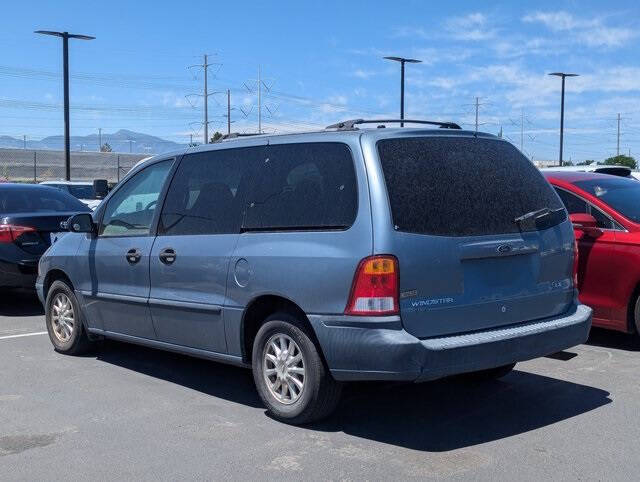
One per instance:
(537,215)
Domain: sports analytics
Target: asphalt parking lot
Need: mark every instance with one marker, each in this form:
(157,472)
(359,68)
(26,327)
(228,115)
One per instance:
(126,412)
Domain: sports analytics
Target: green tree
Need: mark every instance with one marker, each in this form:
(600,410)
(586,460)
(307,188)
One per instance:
(586,163)
(105,147)
(622,160)
(216,137)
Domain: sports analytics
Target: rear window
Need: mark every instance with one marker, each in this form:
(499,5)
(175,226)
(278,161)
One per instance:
(40,199)
(466,186)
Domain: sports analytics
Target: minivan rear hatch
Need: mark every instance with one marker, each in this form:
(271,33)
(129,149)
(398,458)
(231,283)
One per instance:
(481,238)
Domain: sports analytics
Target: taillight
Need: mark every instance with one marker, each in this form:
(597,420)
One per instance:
(575,264)
(375,287)
(9,233)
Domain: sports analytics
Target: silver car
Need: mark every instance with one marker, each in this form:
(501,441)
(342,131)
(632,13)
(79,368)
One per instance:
(316,259)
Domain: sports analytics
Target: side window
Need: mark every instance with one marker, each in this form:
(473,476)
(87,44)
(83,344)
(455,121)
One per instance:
(130,210)
(303,186)
(572,202)
(207,194)
(604,221)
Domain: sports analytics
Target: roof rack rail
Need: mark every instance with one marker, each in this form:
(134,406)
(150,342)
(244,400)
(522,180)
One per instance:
(350,124)
(233,135)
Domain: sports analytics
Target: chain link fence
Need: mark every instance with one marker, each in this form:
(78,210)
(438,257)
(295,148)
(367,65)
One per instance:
(24,165)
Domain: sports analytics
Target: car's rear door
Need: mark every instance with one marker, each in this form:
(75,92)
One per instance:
(466,263)
(198,231)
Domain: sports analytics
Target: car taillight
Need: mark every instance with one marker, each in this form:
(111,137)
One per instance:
(9,232)
(575,264)
(375,287)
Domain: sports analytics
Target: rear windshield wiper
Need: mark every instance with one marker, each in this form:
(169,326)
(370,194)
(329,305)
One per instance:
(537,215)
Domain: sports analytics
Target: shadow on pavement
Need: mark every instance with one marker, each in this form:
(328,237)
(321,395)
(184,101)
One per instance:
(613,339)
(437,416)
(20,303)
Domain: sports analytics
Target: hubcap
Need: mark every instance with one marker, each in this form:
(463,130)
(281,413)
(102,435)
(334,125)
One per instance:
(283,368)
(62,319)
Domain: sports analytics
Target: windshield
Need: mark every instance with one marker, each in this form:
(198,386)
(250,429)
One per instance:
(38,199)
(621,194)
(82,191)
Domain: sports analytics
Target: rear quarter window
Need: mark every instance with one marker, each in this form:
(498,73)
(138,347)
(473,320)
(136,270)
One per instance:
(461,186)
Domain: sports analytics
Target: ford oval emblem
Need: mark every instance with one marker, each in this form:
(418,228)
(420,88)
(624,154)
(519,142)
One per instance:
(504,248)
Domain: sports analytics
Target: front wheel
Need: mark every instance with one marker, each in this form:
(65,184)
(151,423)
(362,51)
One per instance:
(63,319)
(290,374)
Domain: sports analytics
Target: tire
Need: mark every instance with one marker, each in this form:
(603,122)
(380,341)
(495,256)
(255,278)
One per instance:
(636,318)
(491,373)
(319,394)
(64,320)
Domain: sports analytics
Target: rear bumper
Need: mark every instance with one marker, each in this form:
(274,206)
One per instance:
(379,349)
(18,274)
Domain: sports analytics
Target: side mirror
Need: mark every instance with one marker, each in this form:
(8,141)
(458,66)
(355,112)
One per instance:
(101,188)
(80,223)
(585,223)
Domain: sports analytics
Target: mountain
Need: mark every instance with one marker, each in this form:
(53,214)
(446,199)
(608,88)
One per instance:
(120,141)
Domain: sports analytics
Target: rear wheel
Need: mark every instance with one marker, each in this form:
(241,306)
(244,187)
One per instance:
(491,373)
(289,373)
(63,319)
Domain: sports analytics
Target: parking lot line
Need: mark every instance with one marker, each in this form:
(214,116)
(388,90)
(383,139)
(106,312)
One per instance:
(23,334)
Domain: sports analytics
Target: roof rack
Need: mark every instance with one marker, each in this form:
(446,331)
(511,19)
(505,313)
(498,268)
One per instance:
(350,124)
(233,135)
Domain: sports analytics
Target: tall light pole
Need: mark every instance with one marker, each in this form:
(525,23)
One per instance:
(402,61)
(563,76)
(65,62)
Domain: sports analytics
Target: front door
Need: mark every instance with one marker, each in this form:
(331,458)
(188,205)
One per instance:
(118,282)
(595,277)
(197,234)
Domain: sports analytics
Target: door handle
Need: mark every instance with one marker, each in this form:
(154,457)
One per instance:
(167,255)
(133,256)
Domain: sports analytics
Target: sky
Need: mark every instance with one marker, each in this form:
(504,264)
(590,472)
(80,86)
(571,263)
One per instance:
(322,62)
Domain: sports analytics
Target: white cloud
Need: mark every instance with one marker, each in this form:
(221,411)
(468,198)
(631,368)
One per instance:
(473,27)
(589,31)
(363,74)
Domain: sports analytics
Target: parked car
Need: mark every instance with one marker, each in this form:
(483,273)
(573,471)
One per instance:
(83,190)
(321,258)
(30,217)
(606,214)
(614,170)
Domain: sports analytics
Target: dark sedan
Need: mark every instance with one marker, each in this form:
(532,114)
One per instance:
(30,217)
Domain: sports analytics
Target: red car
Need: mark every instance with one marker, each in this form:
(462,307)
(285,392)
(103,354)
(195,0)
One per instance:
(605,211)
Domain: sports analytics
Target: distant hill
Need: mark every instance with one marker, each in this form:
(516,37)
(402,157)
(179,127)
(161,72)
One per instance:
(119,142)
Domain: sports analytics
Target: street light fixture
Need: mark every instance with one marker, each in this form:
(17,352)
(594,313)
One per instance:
(563,76)
(402,61)
(65,61)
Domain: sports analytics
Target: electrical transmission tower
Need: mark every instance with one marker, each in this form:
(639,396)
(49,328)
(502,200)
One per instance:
(205,93)
(255,86)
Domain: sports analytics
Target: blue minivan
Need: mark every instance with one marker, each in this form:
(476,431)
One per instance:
(404,254)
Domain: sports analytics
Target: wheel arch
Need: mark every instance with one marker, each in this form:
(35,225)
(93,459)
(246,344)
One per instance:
(258,310)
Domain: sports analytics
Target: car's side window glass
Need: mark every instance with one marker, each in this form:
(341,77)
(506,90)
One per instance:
(130,210)
(604,221)
(207,194)
(303,186)
(572,203)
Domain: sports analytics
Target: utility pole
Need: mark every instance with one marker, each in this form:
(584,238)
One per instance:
(99,139)
(190,140)
(24,142)
(206,101)
(259,100)
(563,76)
(228,111)
(522,130)
(65,62)
(477,107)
(402,61)
(618,145)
